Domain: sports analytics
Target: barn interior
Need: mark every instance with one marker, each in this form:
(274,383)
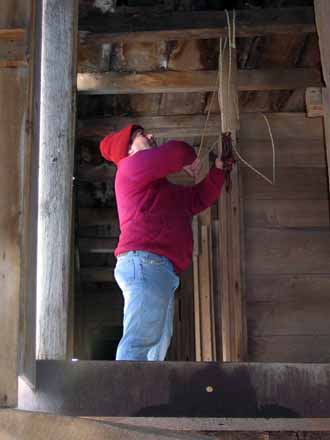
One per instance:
(250,352)
(282,260)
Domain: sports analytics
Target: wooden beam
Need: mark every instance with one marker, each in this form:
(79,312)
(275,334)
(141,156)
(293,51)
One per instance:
(196,25)
(57,130)
(197,81)
(295,127)
(322,17)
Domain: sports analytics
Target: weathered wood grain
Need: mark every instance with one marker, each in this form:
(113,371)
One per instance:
(13,96)
(303,348)
(292,288)
(287,252)
(289,152)
(55,174)
(199,24)
(291,184)
(97,274)
(12,48)
(97,245)
(291,129)
(198,81)
(283,319)
(287,214)
(322,16)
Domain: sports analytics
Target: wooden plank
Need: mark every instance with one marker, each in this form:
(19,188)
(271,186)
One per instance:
(98,216)
(197,81)
(289,152)
(13,96)
(31,205)
(284,126)
(198,24)
(97,274)
(55,174)
(293,128)
(12,48)
(291,184)
(290,349)
(285,319)
(287,252)
(15,424)
(97,245)
(301,288)
(205,298)
(322,16)
(220,425)
(287,214)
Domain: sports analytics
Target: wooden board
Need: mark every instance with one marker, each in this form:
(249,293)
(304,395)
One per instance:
(12,48)
(285,126)
(198,24)
(288,129)
(98,216)
(286,319)
(289,152)
(97,274)
(287,252)
(293,288)
(287,214)
(198,81)
(290,348)
(97,245)
(291,184)
(13,95)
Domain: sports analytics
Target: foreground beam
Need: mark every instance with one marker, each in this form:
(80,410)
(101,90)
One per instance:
(57,113)
(180,389)
(198,25)
(198,81)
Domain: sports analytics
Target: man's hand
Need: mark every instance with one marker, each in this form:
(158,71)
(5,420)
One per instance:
(194,168)
(225,166)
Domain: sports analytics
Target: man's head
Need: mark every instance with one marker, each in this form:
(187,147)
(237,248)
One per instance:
(140,141)
(125,142)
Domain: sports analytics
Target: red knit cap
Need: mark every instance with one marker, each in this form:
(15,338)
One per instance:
(114,147)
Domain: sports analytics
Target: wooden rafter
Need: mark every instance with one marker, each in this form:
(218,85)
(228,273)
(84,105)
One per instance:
(197,81)
(198,25)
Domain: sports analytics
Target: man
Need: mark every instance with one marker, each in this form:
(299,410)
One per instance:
(155,242)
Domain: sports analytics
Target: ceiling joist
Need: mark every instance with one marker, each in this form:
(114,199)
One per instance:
(195,81)
(197,25)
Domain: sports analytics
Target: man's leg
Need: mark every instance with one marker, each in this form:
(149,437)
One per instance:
(158,352)
(147,284)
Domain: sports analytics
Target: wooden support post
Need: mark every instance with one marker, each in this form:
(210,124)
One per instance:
(322,17)
(233,317)
(55,174)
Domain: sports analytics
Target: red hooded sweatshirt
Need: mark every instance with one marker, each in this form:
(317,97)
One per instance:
(155,215)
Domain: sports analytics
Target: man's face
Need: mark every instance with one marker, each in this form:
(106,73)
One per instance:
(141,141)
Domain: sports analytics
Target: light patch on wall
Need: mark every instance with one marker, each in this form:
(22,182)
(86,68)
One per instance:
(105,5)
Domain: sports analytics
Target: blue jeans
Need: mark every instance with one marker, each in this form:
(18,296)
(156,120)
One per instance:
(148,283)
